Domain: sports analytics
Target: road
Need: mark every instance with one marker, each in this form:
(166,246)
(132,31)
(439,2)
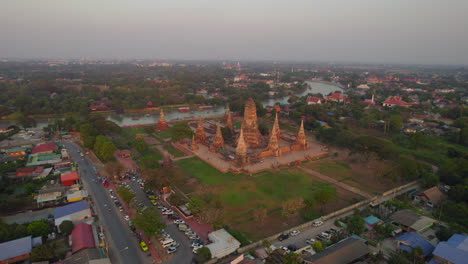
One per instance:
(184,254)
(123,247)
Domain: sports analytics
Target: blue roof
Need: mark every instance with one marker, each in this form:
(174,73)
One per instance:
(371,220)
(412,241)
(15,248)
(70,209)
(454,250)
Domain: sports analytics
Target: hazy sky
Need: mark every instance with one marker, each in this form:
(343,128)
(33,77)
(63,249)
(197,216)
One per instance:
(392,31)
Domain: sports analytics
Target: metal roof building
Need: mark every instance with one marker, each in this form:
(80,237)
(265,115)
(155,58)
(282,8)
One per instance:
(454,250)
(410,241)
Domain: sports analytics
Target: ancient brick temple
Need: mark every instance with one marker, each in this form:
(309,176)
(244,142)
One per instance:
(162,123)
(200,135)
(252,135)
(218,140)
(193,144)
(167,161)
(301,139)
(241,149)
(273,144)
(228,118)
(276,127)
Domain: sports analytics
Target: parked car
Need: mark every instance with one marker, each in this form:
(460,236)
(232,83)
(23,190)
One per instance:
(143,246)
(173,216)
(179,222)
(292,247)
(310,241)
(317,223)
(171,250)
(283,237)
(286,249)
(127,217)
(294,233)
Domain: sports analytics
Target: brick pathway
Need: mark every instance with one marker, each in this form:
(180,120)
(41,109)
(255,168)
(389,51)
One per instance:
(340,184)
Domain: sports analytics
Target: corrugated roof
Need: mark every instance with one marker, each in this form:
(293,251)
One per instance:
(82,237)
(454,250)
(371,220)
(410,241)
(343,252)
(15,248)
(72,176)
(46,147)
(70,209)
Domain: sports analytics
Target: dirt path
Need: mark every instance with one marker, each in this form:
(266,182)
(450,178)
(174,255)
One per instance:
(340,184)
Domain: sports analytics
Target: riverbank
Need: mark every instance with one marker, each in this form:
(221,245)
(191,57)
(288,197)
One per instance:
(330,83)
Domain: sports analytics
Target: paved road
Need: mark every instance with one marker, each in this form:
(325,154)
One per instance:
(184,254)
(299,240)
(124,248)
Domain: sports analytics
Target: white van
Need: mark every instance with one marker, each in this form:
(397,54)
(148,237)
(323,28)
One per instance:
(168,242)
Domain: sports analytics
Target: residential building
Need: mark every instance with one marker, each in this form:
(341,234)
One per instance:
(411,221)
(17,151)
(18,250)
(452,251)
(43,158)
(82,237)
(395,101)
(222,244)
(29,171)
(410,241)
(75,212)
(432,196)
(312,100)
(45,148)
(346,251)
(372,221)
(69,179)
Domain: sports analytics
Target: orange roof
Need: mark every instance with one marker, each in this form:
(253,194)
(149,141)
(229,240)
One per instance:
(72,176)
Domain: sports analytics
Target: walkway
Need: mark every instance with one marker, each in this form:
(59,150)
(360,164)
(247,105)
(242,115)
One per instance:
(340,184)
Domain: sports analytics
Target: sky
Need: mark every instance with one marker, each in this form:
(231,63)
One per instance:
(367,31)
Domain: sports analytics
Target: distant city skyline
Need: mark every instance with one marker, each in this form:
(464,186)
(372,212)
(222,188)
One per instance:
(365,31)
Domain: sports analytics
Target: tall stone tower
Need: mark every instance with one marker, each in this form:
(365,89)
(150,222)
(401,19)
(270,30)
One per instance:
(301,138)
(250,124)
(273,145)
(241,149)
(218,140)
(200,135)
(167,161)
(276,127)
(228,117)
(162,123)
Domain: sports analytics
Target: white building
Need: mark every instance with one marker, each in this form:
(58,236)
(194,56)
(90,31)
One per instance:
(223,243)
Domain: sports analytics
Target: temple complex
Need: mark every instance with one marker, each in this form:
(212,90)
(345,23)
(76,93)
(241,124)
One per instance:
(167,161)
(162,123)
(253,137)
(251,151)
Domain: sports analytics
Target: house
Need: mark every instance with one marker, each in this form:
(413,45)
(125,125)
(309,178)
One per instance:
(312,100)
(222,244)
(45,197)
(453,251)
(43,158)
(18,250)
(363,86)
(70,178)
(395,101)
(45,148)
(372,221)
(76,195)
(17,151)
(29,171)
(411,221)
(336,97)
(86,256)
(82,237)
(346,251)
(74,212)
(410,241)
(5,128)
(433,196)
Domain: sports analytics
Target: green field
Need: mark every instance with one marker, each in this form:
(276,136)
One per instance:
(205,173)
(173,151)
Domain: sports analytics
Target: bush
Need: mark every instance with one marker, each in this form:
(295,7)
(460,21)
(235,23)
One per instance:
(66,227)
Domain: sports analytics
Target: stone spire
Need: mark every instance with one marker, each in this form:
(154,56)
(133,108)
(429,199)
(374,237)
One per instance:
(250,124)
(273,145)
(228,117)
(218,140)
(301,139)
(241,149)
(276,127)
(167,161)
(193,144)
(200,135)
(162,123)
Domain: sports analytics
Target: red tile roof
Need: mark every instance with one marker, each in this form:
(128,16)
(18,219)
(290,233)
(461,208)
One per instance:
(43,148)
(313,99)
(72,176)
(82,237)
(396,100)
(28,171)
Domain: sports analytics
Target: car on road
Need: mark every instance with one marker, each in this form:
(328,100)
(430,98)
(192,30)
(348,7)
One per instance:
(127,217)
(152,197)
(195,244)
(167,212)
(294,233)
(143,246)
(173,216)
(283,237)
(154,202)
(317,223)
(286,250)
(179,222)
(171,250)
(195,249)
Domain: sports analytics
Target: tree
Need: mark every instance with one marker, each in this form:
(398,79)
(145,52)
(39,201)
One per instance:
(38,228)
(459,193)
(356,225)
(181,130)
(114,169)
(149,221)
(429,180)
(203,255)
(260,215)
(324,196)
(292,206)
(126,194)
(444,233)
(66,227)
(395,123)
(318,247)
(397,258)
(42,253)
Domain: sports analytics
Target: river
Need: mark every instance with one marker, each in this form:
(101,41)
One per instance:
(129,119)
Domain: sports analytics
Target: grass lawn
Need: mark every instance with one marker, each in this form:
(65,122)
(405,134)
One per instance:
(173,151)
(205,173)
(163,134)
